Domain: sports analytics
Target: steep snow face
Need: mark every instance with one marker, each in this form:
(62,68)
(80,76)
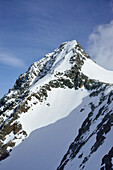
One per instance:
(59,104)
(94,71)
(62,60)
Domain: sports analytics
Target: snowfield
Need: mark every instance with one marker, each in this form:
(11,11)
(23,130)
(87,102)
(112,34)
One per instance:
(59,104)
(45,147)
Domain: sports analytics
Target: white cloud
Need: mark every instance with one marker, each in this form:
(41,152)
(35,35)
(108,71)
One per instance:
(11,60)
(100,45)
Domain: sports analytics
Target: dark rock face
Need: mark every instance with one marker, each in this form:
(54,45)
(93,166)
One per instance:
(107,160)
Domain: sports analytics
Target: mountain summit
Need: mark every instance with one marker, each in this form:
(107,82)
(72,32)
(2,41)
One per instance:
(68,100)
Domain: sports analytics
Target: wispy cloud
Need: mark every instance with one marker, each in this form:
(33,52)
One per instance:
(10,60)
(111,5)
(100,45)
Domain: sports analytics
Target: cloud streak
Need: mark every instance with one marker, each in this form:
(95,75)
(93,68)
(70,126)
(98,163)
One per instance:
(10,60)
(111,5)
(100,45)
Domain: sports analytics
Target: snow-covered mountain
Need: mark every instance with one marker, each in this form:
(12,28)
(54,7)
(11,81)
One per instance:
(62,110)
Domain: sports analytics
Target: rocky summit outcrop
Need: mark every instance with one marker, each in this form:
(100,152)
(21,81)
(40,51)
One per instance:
(32,101)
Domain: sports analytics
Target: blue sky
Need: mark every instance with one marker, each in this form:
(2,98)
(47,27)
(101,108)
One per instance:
(31,28)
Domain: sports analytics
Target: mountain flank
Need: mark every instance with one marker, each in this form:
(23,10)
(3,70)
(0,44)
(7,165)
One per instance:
(65,95)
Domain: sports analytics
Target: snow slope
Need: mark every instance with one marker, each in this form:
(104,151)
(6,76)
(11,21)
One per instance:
(94,71)
(59,104)
(45,147)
